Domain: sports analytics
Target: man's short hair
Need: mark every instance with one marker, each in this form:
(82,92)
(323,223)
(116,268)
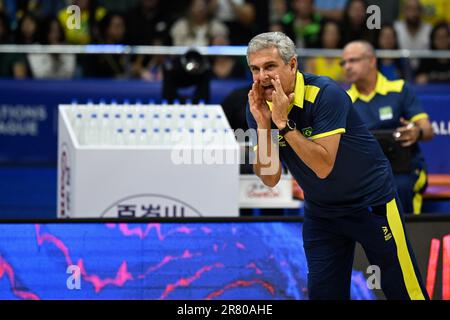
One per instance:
(367,46)
(285,46)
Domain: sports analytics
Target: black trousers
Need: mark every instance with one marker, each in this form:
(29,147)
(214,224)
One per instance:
(330,244)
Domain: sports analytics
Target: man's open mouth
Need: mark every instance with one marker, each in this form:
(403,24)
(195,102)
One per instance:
(268,87)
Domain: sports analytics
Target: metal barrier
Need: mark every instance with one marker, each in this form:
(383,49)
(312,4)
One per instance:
(208,51)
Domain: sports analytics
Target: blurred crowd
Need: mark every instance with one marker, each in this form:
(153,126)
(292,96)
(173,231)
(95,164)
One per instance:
(327,24)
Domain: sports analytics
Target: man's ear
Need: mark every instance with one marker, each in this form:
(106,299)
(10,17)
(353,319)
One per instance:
(373,61)
(293,64)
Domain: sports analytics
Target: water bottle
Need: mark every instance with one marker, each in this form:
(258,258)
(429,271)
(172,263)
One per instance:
(92,130)
(119,137)
(143,138)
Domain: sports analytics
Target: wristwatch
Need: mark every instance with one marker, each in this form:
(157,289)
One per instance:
(290,126)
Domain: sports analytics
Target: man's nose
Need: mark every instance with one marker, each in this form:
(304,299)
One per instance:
(347,67)
(263,75)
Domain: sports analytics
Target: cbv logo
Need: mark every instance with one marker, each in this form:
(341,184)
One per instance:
(307,132)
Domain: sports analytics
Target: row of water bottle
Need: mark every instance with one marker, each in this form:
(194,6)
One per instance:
(149,125)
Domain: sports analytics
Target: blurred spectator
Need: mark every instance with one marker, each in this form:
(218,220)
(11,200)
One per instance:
(277,9)
(56,66)
(146,22)
(41,9)
(302,24)
(198,28)
(436,70)
(413,33)
(226,67)
(330,9)
(391,68)
(354,23)
(435,11)
(112,31)
(330,38)
(239,17)
(119,6)
(389,10)
(5,31)
(91,14)
(8,8)
(261,21)
(27,31)
(11,64)
(149,68)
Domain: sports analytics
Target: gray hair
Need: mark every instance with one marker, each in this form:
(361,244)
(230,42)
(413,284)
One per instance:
(285,46)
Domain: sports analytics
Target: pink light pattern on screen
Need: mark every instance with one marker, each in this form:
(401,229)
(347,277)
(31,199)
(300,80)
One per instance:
(184,282)
(186,255)
(123,275)
(7,269)
(241,283)
(254,266)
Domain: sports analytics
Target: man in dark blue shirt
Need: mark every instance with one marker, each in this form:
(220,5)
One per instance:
(390,105)
(309,123)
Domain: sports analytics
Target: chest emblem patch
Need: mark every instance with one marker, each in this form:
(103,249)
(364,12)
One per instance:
(386,113)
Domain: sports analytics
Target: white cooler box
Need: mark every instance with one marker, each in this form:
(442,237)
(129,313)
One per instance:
(146,161)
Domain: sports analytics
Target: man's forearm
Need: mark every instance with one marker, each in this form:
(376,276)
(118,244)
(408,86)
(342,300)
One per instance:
(267,166)
(426,128)
(314,155)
